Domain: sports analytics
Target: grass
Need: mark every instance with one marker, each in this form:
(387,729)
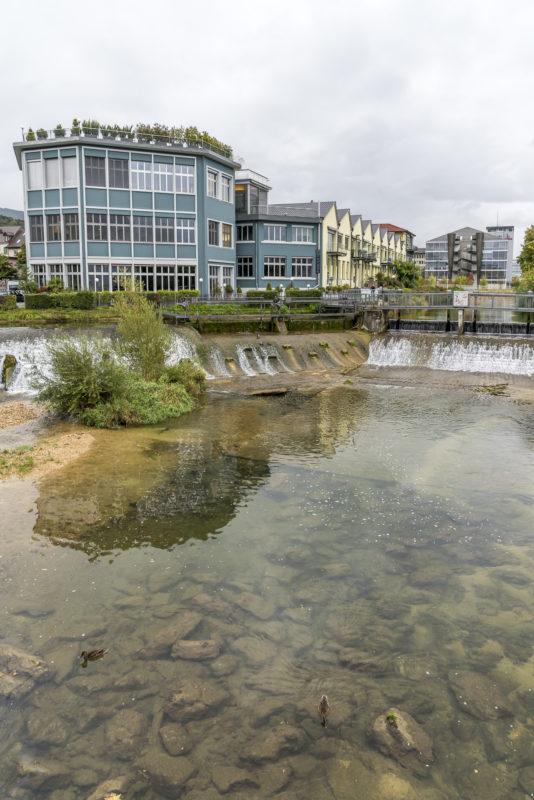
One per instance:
(234,309)
(57,315)
(17,460)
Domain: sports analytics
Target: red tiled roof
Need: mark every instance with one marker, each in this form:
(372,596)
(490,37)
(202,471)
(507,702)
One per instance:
(394,228)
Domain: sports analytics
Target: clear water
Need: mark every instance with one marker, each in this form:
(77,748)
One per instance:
(390,529)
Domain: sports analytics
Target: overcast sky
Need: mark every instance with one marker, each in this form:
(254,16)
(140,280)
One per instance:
(416,112)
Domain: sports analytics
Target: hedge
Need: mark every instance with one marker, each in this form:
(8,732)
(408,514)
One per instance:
(7,302)
(183,294)
(304,292)
(266,294)
(84,299)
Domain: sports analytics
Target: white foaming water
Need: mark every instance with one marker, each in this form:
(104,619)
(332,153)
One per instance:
(32,356)
(455,355)
(182,347)
(242,360)
(219,367)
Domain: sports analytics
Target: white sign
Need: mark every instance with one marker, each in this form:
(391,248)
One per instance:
(461,299)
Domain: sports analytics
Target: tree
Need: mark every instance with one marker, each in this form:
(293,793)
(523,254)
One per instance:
(7,269)
(526,262)
(21,256)
(408,274)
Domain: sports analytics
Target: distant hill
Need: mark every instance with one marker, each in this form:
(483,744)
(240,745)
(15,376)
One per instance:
(9,216)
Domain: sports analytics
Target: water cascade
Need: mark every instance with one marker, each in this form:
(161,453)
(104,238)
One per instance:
(514,357)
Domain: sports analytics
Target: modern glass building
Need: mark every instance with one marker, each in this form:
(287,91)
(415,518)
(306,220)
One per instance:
(470,252)
(99,209)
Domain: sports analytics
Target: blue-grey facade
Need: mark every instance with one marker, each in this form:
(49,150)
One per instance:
(99,209)
(274,246)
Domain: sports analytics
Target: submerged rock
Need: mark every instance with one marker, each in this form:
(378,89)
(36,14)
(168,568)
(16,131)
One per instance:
(125,733)
(399,736)
(195,700)
(45,727)
(175,738)
(160,645)
(280,741)
(231,779)
(109,788)
(169,775)
(255,605)
(195,650)
(224,665)
(21,663)
(478,695)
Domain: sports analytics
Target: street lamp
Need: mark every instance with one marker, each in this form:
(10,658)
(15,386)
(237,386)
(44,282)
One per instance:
(200,281)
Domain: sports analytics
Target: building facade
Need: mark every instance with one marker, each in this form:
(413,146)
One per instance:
(275,245)
(11,240)
(100,211)
(471,253)
(419,259)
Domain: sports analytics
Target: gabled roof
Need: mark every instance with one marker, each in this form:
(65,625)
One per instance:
(467,231)
(365,223)
(354,218)
(312,209)
(341,212)
(374,228)
(395,228)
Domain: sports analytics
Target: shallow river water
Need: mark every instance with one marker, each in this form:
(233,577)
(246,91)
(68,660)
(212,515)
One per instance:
(372,545)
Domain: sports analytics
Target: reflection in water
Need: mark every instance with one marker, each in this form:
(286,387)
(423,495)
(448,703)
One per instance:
(367,549)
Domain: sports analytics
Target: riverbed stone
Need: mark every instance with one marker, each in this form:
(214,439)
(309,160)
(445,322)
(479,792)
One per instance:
(255,652)
(15,686)
(477,695)
(125,733)
(336,570)
(232,779)
(210,604)
(36,773)
(168,775)
(260,713)
(255,605)
(196,649)
(399,736)
(45,727)
(109,787)
(160,645)
(175,738)
(194,700)
(496,743)
(280,741)
(224,665)
(19,662)
(360,661)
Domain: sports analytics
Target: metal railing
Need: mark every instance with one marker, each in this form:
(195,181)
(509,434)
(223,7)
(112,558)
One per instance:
(128,135)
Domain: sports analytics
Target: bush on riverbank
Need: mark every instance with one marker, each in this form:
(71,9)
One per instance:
(83,299)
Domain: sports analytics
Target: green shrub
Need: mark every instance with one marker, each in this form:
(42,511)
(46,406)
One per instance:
(144,340)
(266,294)
(7,302)
(41,300)
(304,293)
(189,375)
(84,299)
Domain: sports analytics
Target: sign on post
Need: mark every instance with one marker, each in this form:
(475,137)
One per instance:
(460,299)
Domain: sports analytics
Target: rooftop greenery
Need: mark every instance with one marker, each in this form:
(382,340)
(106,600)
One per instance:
(142,132)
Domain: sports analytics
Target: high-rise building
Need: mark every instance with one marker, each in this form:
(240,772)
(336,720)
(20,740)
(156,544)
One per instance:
(471,253)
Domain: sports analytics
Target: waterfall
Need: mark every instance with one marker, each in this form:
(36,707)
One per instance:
(453,354)
(243,361)
(182,347)
(219,367)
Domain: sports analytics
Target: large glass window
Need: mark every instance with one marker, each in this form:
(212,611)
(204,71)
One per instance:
(51,173)
(74,277)
(213,183)
(245,267)
(98,277)
(185,231)
(53,227)
(165,230)
(226,235)
(70,171)
(185,276)
(302,234)
(213,232)
(275,233)
(226,188)
(71,227)
(34,175)
(163,178)
(143,229)
(245,233)
(118,173)
(141,175)
(119,227)
(95,171)
(185,178)
(302,267)
(97,227)
(39,274)
(274,267)
(36,228)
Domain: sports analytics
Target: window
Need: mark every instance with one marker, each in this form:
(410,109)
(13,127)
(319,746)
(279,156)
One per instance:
(245,233)
(51,173)
(70,175)
(226,235)
(185,276)
(185,178)
(34,174)
(275,233)
(56,271)
(74,277)
(163,178)
(36,228)
(165,229)
(95,171)
(53,228)
(142,228)
(97,227)
(118,173)
(330,245)
(141,175)
(98,277)
(226,188)
(301,234)
(119,227)
(274,267)
(164,277)
(346,242)
(339,241)
(213,232)
(39,274)
(302,267)
(213,183)
(245,267)
(228,275)
(185,231)
(71,227)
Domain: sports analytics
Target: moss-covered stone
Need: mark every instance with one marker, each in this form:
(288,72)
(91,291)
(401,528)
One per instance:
(10,362)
